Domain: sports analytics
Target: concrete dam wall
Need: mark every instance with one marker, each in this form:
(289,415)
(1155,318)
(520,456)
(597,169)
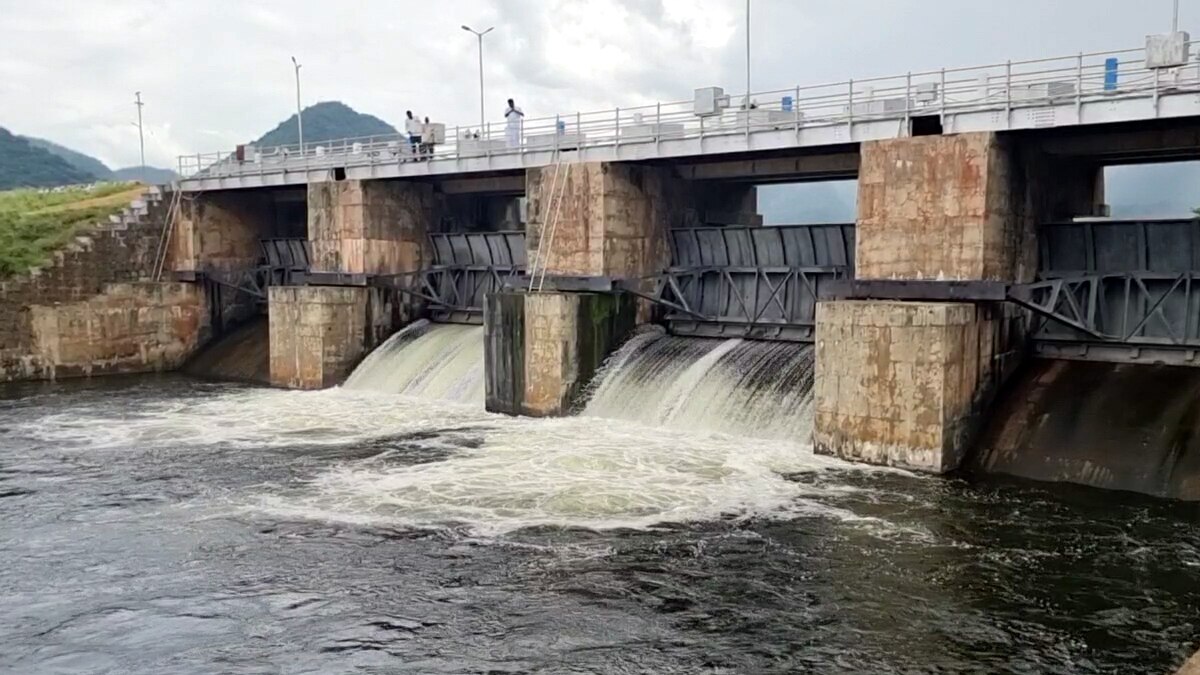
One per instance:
(1113,426)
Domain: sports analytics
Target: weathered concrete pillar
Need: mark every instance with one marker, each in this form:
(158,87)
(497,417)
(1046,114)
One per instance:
(218,230)
(356,229)
(606,219)
(360,227)
(903,383)
(591,219)
(541,349)
(319,333)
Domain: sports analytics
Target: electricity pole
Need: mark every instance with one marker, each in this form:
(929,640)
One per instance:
(137,101)
(299,116)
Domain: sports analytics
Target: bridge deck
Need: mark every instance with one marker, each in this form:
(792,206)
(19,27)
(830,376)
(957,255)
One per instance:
(1057,92)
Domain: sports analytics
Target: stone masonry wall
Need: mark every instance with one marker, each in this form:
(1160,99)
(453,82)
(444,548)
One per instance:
(129,328)
(319,333)
(218,230)
(612,219)
(951,207)
(95,270)
(903,383)
(368,227)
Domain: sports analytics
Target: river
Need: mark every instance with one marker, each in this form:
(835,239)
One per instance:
(162,525)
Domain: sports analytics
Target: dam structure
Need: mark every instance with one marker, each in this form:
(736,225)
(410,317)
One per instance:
(981,252)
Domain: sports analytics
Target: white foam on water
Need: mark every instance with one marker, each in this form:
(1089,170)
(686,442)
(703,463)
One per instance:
(425,360)
(677,430)
(573,472)
(738,387)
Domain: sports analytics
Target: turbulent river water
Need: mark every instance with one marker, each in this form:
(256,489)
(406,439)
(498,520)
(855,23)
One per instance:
(163,525)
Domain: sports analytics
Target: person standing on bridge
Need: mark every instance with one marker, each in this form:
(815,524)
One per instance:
(412,126)
(513,116)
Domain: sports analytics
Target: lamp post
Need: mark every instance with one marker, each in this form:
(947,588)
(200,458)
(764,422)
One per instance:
(747,54)
(299,116)
(480,36)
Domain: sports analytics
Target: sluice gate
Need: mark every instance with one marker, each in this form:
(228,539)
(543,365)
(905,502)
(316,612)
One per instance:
(1116,290)
(468,266)
(754,282)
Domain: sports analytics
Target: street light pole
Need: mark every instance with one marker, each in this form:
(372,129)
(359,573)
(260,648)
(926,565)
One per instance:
(480,36)
(137,101)
(747,54)
(299,116)
(1175,18)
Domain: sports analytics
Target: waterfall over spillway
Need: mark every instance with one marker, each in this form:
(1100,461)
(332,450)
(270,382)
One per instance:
(742,387)
(426,360)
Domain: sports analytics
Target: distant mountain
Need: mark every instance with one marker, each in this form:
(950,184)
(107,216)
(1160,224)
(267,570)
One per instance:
(148,175)
(326,121)
(24,165)
(85,163)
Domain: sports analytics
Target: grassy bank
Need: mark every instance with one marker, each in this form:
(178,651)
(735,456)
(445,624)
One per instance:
(35,223)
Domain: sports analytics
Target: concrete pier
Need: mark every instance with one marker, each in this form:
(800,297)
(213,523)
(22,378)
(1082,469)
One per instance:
(319,333)
(356,229)
(599,220)
(904,383)
(541,349)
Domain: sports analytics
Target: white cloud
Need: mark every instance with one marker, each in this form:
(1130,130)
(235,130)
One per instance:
(217,72)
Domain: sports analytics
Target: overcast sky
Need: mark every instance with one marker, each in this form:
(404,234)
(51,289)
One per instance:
(215,73)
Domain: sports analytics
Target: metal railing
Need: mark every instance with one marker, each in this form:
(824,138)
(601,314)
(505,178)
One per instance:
(1077,79)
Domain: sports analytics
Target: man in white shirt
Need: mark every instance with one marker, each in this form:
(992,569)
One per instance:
(412,126)
(513,116)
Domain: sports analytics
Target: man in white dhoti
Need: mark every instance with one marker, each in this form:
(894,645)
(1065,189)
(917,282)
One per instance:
(513,116)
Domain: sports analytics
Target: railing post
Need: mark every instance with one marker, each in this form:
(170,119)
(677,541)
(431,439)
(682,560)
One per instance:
(907,104)
(657,124)
(579,132)
(1079,89)
(796,112)
(457,143)
(556,133)
(487,141)
(942,100)
(1008,94)
(1156,80)
(850,112)
(617,136)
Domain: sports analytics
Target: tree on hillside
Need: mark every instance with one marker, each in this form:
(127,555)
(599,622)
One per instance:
(85,163)
(23,165)
(327,121)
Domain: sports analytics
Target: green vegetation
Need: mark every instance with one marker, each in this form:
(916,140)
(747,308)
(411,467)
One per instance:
(23,165)
(35,223)
(327,121)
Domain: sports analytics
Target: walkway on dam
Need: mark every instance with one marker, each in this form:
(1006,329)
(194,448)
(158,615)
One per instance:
(1080,89)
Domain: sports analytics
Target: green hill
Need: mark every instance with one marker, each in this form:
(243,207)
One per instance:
(148,175)
(326,121)
(25,165)
(85,163)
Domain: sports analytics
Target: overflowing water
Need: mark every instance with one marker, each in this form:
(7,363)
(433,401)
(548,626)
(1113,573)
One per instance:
(681,525)
(754,389)
(432,361)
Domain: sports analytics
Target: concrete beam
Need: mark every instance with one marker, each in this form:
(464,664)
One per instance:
(514,184)
(1178,141)
(842,165)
